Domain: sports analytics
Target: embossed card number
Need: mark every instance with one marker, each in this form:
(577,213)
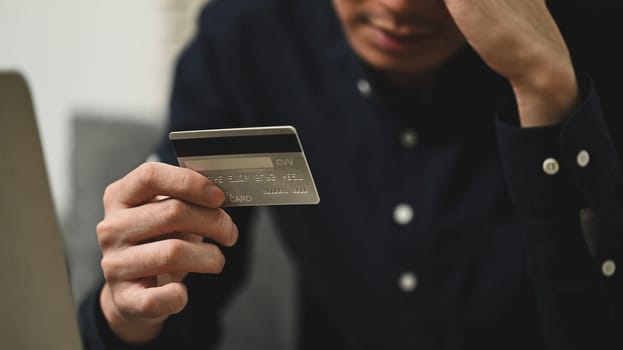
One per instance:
(253,166)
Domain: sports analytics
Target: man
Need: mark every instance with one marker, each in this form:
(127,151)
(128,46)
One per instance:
(454,144)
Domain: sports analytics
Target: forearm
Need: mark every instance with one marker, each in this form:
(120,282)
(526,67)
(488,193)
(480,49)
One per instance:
(578,301)
(548,95)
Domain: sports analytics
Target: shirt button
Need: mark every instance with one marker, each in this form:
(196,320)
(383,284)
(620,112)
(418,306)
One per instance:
(550,166)
(403,214)
(364,88)
(408,138)
(608,268)
(407,282)
(583,158)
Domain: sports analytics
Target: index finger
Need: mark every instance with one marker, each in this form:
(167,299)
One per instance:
(153,179)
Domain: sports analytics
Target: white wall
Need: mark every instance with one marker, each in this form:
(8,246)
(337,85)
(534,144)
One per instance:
(108,56)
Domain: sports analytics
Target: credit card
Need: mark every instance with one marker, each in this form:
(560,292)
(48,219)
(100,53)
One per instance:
(253,166)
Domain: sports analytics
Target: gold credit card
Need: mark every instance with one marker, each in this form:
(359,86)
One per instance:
(253,166)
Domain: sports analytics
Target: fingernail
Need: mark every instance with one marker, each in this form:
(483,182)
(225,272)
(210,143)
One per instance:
(233,236)
(214,195)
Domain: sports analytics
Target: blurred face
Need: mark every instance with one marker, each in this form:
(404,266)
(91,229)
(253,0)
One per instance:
(400,37)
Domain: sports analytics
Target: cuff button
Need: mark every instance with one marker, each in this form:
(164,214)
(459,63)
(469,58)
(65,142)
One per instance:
(608,268)
(583,158)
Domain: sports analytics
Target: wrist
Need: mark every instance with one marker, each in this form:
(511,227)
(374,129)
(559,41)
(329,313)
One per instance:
(546,97)
(131,330)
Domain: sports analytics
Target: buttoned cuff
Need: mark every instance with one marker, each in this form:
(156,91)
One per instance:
(588,150)
(553,169)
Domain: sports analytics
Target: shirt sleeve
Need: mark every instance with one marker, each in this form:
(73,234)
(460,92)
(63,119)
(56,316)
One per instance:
(565,182)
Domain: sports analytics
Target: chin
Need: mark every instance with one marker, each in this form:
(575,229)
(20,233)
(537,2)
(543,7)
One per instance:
(417,62)
(412,65)
(424,64)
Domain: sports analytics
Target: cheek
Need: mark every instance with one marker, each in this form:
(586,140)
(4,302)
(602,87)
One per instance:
(347,10)
(350,13)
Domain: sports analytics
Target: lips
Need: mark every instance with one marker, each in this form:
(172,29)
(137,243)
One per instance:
(399,40)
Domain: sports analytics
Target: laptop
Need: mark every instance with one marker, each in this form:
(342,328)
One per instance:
(36,307)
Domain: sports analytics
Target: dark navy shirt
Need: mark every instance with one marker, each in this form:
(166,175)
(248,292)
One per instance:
(442,223)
